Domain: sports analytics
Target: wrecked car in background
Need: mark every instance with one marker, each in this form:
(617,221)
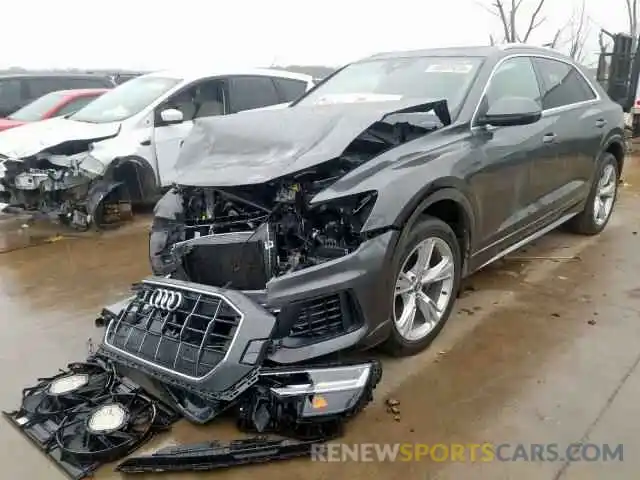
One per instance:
(352,215)
(88,168)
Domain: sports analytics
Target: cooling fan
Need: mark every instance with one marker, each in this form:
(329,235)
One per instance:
(87,415)
(54,396)
(107,428)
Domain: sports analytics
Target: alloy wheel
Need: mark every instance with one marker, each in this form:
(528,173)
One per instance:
(605,195)
(423,288)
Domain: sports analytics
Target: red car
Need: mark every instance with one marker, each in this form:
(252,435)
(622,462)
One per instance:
(53,104)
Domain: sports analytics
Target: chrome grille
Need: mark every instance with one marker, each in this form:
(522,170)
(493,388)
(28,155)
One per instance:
(189,337)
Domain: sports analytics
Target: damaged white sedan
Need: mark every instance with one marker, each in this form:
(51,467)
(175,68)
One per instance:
(90,167)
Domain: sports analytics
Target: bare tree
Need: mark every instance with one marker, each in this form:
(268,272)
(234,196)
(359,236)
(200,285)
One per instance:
(509,12)
(555,40)
(579,31)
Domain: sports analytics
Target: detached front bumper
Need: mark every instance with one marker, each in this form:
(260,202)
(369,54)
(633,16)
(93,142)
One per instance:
(207,340)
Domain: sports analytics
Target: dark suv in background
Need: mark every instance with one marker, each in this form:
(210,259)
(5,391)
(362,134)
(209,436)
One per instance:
(17,90)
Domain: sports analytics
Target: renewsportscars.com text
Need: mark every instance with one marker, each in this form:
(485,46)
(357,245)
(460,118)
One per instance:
(474,452)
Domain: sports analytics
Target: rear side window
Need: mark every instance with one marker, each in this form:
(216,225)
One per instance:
(562,84)
(290,89)
(10,93)
(251,92)
(43,85)
(88,83)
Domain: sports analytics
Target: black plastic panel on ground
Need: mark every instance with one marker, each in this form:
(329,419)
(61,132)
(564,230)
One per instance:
(191,340)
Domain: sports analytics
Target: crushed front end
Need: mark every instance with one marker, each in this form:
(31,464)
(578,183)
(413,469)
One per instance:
(63,182)
(249,216)
(64,188)
(309,267)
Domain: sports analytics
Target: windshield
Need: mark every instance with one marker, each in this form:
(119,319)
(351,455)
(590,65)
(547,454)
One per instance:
(35,110)
(125,100)
(399,78)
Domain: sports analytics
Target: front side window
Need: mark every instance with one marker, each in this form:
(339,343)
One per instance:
(563,84)
(515,77)
(204,99)
(36,110)
(435,78)
(125,100)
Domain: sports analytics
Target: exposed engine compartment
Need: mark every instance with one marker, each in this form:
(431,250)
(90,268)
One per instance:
(302,235)
(276,219)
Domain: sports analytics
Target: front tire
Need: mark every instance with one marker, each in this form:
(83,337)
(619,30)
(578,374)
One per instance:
(425,281)
(602,197)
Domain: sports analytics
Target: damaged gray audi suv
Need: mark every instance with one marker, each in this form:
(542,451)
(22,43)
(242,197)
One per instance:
(349,218)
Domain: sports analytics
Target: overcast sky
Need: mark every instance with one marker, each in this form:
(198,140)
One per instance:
(153,34)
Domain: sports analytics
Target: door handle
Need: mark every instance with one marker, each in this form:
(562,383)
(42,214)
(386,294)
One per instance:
(549,138)
(601,123)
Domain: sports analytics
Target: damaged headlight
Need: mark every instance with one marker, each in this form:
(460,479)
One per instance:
(91,165)
(340,221)
(307,402)
(83,162)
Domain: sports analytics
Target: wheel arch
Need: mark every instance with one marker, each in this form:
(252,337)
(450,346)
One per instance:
(138,176)
(448,204)
(616,147)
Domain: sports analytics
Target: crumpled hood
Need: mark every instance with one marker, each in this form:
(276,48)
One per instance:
(257,146)
(33,138)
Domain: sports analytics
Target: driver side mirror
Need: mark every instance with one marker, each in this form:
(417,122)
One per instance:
(171,116)
(511,111)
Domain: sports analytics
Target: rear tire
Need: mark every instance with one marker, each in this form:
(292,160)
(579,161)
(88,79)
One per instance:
(601,200)
(429,292)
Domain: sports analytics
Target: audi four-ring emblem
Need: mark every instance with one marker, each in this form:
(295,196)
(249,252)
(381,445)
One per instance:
(168,300)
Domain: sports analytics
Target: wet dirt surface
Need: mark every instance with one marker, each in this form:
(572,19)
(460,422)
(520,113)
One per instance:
(542,349)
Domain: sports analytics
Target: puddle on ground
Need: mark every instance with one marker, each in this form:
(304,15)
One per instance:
(17,233)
